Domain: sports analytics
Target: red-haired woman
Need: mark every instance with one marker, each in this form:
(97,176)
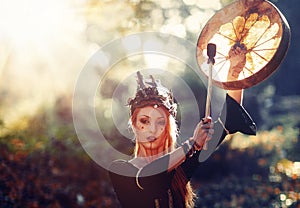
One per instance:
(159,173)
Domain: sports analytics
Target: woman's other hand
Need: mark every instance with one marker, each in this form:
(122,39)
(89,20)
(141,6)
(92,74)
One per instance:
(203,133)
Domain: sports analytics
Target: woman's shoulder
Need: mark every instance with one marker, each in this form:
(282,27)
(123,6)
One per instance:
(122,167)
(118,164)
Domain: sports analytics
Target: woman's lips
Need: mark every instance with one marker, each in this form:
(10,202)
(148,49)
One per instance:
(151,138)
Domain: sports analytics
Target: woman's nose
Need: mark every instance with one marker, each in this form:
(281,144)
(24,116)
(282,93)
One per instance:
(153,128)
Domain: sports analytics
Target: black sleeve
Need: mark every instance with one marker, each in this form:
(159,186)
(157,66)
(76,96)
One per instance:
(232,119)
(190,165)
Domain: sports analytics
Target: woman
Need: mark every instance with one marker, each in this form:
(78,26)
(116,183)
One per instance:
(159,173)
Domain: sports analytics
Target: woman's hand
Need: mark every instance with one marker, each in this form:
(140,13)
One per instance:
(203,133)
(237,57)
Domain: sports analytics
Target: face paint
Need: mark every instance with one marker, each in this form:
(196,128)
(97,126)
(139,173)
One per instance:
(150,124)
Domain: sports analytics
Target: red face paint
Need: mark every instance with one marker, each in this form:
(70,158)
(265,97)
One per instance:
(150,124)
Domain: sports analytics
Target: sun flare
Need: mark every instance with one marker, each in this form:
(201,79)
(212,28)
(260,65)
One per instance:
(42,50)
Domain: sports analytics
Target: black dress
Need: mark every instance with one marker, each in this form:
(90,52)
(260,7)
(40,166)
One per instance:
(151,189)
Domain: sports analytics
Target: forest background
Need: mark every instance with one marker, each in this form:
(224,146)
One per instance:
(43,47)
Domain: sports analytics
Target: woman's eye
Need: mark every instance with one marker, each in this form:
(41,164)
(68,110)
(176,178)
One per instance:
(144,121)
(162,123)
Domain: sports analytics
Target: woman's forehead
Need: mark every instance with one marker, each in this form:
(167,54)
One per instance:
(153,112)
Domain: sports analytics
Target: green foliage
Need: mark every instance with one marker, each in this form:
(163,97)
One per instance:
(49,126)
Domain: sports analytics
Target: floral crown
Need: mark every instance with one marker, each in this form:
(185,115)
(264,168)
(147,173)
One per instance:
(152,93)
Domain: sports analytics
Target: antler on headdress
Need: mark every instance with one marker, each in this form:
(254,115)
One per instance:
(140,81)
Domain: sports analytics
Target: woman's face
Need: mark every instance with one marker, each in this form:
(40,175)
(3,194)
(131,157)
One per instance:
(149,126)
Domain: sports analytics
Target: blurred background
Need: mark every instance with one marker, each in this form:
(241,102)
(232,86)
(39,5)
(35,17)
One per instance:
(43,47)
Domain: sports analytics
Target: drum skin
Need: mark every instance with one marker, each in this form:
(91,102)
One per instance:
(235,24)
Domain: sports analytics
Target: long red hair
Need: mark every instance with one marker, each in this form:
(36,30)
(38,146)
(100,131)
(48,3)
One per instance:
(181,188)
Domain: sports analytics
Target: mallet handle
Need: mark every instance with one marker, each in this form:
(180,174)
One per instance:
(211,53)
